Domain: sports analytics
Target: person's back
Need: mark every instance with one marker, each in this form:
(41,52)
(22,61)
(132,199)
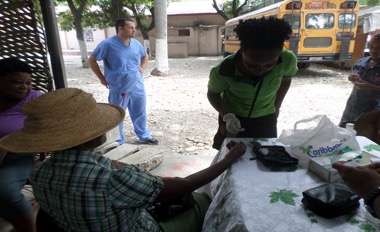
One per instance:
(81,191)
(85,193)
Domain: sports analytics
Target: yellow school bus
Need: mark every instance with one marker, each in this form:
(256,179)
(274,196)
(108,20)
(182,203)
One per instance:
(323,30)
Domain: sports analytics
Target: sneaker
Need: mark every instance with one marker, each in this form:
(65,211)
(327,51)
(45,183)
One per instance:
(151,141)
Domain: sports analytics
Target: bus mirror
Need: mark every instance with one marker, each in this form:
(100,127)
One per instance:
(293,5)
(348,5)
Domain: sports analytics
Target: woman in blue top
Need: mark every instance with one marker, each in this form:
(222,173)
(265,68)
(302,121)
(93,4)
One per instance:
(365,94)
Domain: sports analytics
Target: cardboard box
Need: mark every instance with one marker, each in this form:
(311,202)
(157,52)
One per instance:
(322,166)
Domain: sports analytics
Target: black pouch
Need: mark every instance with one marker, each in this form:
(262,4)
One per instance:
(275,156)
(330,200)
(164,210)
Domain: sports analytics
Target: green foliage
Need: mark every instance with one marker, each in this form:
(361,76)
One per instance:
(372,2)
(284,195)
(65,20)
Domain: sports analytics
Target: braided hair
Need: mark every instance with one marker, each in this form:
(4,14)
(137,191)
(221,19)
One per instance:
(263,33)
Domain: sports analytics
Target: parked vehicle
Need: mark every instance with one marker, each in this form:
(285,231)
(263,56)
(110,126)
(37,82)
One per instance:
(323,31)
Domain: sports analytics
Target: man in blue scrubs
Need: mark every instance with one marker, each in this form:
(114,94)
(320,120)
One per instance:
(124,61)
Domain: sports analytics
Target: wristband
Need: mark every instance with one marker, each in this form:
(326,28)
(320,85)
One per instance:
(368,200)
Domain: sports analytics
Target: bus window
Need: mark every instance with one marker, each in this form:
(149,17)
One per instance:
(345,20)
(319,21)
(230,30)
(293,19)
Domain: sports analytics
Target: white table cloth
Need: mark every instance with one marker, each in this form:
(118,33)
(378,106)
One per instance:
(252,197)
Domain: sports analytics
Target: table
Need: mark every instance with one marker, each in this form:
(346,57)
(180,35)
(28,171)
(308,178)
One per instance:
(251,197)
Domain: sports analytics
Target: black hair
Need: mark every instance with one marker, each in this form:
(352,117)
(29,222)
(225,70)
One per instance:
(263,33)
(120,23)
(12,65)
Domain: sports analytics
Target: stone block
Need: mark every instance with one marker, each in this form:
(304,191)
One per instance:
(146,159)
(122,151)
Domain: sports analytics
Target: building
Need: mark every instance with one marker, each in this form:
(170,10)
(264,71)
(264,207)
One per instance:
(194,29)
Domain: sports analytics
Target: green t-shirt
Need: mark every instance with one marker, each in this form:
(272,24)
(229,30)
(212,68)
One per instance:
(238,91)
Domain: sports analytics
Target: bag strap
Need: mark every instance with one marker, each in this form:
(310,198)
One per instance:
(314,118)
(255,97)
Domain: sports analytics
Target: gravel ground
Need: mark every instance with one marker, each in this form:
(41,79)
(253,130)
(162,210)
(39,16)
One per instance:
(180,116)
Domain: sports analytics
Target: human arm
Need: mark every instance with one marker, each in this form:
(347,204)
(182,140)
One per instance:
(177,187)
(96,69)
(232,122)
(144,63)
(362,180)
(363,85)
(281,92)
(216,101)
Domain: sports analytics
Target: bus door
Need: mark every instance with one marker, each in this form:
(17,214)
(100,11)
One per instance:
(345,30)
(317,36)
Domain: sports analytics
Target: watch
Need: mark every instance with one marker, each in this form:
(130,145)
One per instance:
(368,200)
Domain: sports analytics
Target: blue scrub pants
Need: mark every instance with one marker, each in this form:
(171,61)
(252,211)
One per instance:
(136,104)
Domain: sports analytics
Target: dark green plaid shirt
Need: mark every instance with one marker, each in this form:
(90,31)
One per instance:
(83,192)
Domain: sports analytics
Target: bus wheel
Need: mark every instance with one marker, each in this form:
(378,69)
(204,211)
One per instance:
(303,65)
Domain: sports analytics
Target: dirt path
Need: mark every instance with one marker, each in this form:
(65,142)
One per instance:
(180,116)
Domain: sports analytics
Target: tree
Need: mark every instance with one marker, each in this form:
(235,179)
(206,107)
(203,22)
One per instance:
(162,62)
(230,9)
(77,8)
(372,2)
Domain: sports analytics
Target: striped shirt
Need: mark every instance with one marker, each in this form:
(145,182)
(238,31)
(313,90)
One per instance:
(83,192)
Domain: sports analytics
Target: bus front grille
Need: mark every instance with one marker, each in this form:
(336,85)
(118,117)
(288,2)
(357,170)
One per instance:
(320,42)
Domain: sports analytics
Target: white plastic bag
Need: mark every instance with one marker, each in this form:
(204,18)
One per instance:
(318,136)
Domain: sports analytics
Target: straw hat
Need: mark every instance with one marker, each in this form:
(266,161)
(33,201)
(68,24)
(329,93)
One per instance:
(62,119)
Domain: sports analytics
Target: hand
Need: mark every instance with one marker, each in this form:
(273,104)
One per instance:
(360,84)
(362,179)
(237,149)
(104,82)
(354,78)
(232,123)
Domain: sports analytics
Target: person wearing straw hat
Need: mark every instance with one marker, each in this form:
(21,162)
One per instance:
(81,190)
(15,91)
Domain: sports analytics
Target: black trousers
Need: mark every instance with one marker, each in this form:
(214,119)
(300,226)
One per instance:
(262,127)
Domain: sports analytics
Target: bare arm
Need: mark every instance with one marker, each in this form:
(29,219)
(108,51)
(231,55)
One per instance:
(177,187)
(96,69)
(144,63)
(216,101)
(363,85)
(362,180)
(281,92)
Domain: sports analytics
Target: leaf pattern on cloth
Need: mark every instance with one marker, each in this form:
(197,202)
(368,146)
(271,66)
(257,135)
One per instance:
(364,226)
(223,215)
(284,195)
(372,147)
